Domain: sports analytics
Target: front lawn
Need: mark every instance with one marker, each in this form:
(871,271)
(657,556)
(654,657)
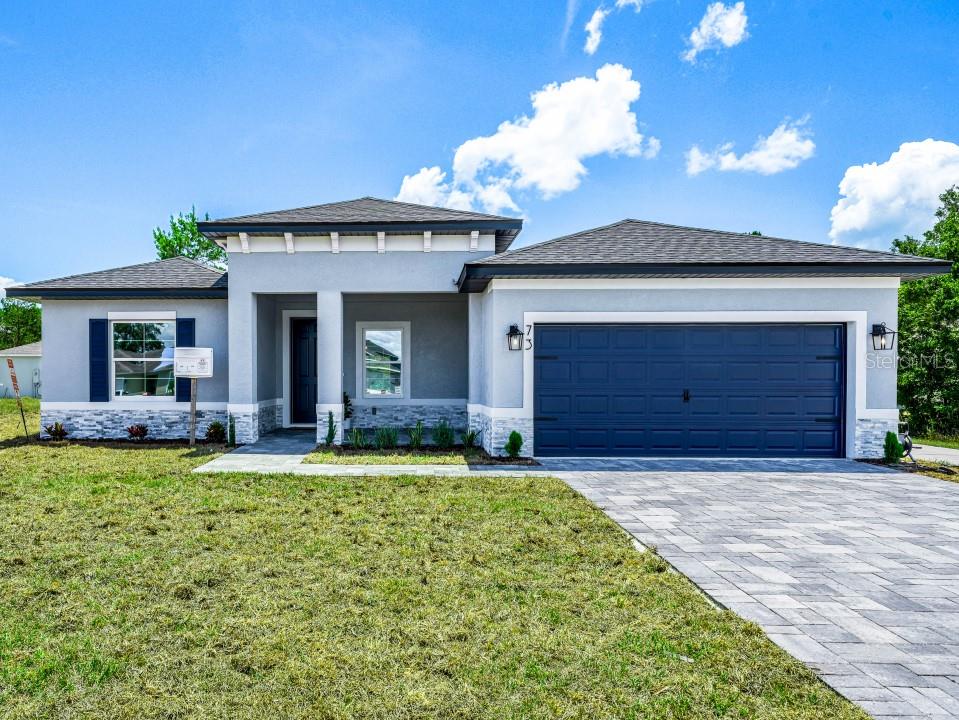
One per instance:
(132,588)
(938,441)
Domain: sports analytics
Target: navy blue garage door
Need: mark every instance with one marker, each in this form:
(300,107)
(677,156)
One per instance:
(737,390)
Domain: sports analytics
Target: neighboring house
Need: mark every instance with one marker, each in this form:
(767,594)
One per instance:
(638,338)
(26,364)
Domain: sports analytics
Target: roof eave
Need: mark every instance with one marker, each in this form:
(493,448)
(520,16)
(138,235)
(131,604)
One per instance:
(214,228)
(476,276)
(39,294)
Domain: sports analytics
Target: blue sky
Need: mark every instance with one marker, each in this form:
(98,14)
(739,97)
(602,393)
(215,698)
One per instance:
(112,116)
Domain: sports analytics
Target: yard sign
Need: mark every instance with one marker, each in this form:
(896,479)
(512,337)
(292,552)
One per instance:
(16,391)
(193,363)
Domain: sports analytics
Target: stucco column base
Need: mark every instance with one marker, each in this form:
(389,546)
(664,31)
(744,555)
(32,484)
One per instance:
(322,419)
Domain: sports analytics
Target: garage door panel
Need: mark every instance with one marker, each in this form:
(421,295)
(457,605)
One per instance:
(553,371)
(553,338)
(753,390)
(632,372)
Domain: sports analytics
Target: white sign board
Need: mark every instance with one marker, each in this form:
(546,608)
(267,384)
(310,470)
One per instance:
(193,362)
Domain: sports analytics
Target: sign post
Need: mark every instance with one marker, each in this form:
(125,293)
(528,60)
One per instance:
(193,363)
(16,392)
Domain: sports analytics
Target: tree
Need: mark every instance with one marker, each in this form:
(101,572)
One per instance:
(184,240)
(19,323)
(929,327)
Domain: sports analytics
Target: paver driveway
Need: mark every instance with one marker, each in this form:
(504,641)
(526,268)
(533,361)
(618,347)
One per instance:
(852,569)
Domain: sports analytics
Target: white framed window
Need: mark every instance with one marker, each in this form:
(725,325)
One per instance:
(141,359)
(383,360)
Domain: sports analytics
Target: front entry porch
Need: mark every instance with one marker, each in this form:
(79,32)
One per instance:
(400,358)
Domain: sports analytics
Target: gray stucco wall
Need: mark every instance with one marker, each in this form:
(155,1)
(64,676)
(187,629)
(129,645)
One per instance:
(501,307)
(24,367)
(438,340)
(66,368)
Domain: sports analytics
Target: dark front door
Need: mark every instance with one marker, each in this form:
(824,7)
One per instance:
(302,370)
(735,390)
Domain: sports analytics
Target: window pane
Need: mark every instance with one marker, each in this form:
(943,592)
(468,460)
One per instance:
(144,340)
(144,379)
(384,379)
(383,361)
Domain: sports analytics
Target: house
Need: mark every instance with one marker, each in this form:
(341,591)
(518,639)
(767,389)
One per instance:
(26,364)
(635,338)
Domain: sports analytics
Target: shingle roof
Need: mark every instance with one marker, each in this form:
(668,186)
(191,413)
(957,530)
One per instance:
(28,350)
(638,248)
(177,276)
(364,210)
(363,215)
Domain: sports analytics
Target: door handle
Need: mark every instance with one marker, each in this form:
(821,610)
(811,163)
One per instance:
(685,396)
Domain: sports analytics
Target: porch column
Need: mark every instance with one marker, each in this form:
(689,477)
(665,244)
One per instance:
(329,363)
(242,407)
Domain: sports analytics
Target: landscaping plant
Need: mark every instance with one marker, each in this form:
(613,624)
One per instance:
(138,431)
(443,435)
(469,439)
(347,407)
(416,435)
(216,433)
(385,438)
(330,429)
(892,448)
(231,433)
(357,439)
(514,444)
(57,431)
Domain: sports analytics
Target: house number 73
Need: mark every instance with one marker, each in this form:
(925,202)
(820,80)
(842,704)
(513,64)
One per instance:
(529,337)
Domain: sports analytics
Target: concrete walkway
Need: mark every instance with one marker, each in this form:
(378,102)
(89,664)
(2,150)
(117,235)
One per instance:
(279,452)
(851,568)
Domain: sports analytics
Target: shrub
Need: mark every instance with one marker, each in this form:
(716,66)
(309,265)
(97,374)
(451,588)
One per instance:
(416,435)
(385,438)
(216,432)
(357,439)
(231,431)
(138,431)
(57,431)
(469,438)
(514,444)
(347,407)
(892,449)
(330,429)
(443,435)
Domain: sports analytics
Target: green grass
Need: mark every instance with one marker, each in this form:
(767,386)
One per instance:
(132,588)
(938,441)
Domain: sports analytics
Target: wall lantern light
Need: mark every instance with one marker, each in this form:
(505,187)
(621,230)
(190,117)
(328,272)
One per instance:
(882,337)
(514,338)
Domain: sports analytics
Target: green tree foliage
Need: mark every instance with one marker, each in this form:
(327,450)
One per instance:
(19,323)
(184,240)
(929,328)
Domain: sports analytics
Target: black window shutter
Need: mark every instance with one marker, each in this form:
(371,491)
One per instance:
(185,337)
(99,360)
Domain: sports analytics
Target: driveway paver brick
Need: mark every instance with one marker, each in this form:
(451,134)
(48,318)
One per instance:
(851,568)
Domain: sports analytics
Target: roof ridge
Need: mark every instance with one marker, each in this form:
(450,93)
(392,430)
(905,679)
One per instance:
(452,211)
(768,237)
(134,266)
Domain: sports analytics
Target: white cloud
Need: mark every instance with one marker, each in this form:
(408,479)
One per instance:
(6,282)
(783,149)
(594,30)
(571,122)
(881,201)
(722,25)
(572,7)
